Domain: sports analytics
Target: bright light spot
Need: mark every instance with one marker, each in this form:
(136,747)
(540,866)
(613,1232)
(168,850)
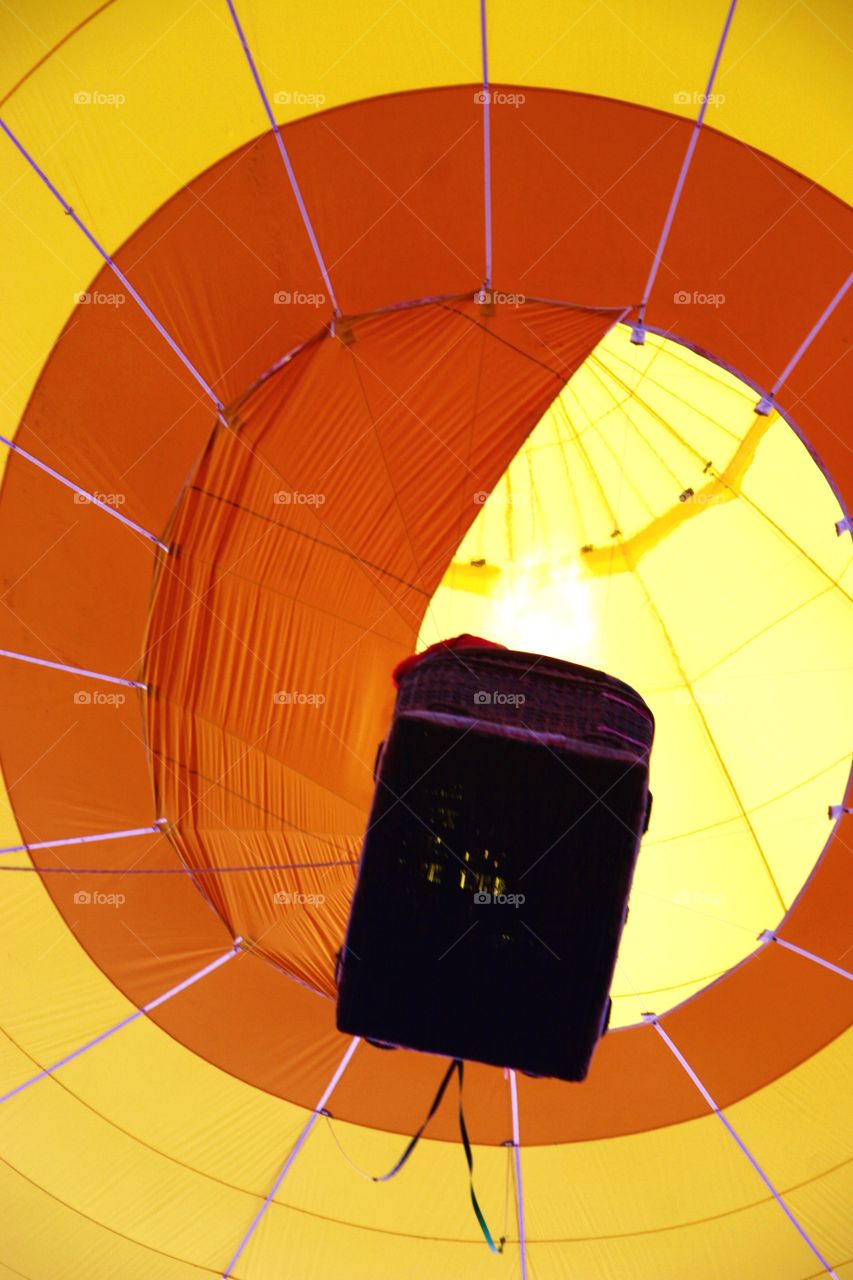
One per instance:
(545,608)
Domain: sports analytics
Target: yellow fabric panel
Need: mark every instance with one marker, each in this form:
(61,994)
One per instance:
(56,1144)
(825,1207)
(664,1180)
(326,55)
(666,1185)
(170,94)
(575,1190)
(429,1198)
(809,129)
(32,31)
(685,1201)
(158,1109)
(765,579)
(655,527)
(696,909)
(230,1132)
(55,999)
(806,659)
(799,1127)
(759,1244)
(142,99)
(788,819)
(188,99)
(47,262)
(660,55)
(797,501)
(44,1239)
(332,1249)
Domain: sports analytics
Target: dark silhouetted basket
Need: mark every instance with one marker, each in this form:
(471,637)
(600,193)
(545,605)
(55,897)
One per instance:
(511,797)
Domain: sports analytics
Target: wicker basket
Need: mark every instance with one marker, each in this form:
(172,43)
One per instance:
(512,793)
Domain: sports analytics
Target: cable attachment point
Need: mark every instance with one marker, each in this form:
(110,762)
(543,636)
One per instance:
(485,300)
(342,329)
(764,406)
(230,419)
(837,811)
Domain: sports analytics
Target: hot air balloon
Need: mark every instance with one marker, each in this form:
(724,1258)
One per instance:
(331,332)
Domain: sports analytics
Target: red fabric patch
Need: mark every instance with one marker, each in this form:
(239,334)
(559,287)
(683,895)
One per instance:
(458,642)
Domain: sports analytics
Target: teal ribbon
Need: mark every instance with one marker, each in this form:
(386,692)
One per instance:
(459,1067)
(469,1156)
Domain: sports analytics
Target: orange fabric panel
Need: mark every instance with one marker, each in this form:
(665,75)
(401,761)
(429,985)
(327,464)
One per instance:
(818,388)
(106,926)
(603,175)
(809,923)
(762,1011)
(771,245)
(115,410)
(395,189)
(59,581)
(74,768)
(287,598)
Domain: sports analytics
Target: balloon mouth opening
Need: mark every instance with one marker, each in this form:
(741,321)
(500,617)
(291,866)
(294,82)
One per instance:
(658,525)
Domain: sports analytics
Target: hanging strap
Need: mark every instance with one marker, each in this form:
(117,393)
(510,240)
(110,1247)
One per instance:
(469,1156)
(458,1067)
(436,1103)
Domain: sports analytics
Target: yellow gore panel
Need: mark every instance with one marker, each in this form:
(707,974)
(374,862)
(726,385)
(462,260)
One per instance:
(139,1158)
(660,55)
(657,528)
